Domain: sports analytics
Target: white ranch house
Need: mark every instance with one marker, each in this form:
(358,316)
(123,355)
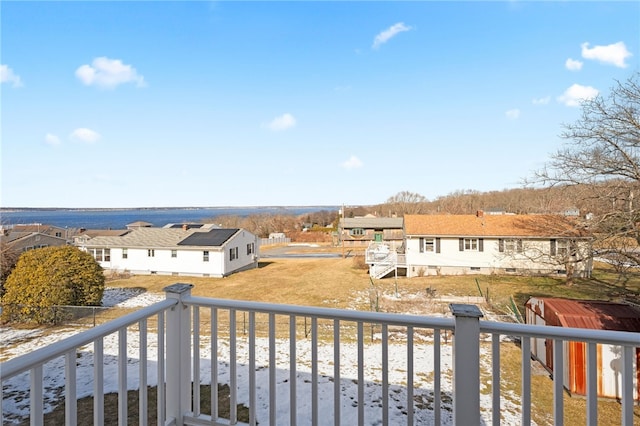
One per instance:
(488,244)
(195,250)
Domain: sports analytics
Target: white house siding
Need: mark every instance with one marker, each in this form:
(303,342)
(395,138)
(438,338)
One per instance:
(450,261)
(244,260)
(189,260)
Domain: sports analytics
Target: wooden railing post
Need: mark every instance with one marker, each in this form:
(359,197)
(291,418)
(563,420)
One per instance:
(466,364)
(178,363)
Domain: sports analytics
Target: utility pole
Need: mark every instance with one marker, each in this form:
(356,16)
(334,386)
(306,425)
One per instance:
(342,230)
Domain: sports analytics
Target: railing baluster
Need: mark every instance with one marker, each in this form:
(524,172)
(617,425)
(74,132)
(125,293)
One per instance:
(196,361)
(336,372)
(292,369)
(122,377)
(143,401)
(409,376)
(272,369)
(70,399)
(161,391)
(628,357)
(252,368)
(98,382)
(36,395)
(214,364)
(385,375)
(495,378)
(592,384)
(437,413)
(558,382)
(360,373)
(525,409)
(314,371)
(233,369)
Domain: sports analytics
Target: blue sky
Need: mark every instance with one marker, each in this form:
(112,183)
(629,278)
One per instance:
(151,104)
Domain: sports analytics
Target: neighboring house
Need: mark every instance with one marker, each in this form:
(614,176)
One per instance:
(488,244)
(40,228)
(139,224)
(197,251)
(596,315)
(82,238)
(20,241)
(361,231)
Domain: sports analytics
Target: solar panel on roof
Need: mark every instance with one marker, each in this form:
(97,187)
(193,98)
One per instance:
(213,238)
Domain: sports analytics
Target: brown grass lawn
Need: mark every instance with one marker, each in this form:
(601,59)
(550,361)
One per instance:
(344,283)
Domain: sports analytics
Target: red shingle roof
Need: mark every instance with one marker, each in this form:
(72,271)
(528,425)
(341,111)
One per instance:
(492,225)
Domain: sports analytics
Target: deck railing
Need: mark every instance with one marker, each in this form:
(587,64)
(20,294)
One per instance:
(313,384)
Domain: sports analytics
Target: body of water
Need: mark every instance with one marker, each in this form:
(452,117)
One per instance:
(120,218)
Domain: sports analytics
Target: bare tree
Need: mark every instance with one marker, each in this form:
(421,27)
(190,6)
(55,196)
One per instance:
(406,202)
(601,160)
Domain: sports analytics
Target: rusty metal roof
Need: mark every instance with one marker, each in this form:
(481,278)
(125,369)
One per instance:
(592,314)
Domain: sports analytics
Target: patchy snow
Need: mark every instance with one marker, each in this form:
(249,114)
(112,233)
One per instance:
(129,297)
(15,402)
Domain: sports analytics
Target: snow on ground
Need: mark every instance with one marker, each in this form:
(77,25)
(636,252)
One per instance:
(15,390)
(129,297)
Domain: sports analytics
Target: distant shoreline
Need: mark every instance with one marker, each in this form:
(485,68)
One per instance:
(102,209)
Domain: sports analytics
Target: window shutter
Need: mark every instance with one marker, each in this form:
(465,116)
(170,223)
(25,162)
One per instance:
(461,244)
(421,245)
(519,246)
(501,245)
(437,245)
(480,244)
(553,247)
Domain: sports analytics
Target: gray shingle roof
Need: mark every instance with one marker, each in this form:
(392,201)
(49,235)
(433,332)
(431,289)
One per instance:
(167,238)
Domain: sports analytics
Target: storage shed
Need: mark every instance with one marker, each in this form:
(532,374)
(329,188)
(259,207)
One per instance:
(596,315)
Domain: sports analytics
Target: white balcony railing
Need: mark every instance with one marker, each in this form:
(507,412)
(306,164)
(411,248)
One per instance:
(313,385)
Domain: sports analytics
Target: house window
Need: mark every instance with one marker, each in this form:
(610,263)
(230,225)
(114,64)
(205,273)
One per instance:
(107,255)
(151,252)
(251,248)
(429,245)
(174,253)
(233,253)
(205,256)
(471,244)
(125,254)
(59,234)
(510,245)
(357,232)
(562,247)
(97,254)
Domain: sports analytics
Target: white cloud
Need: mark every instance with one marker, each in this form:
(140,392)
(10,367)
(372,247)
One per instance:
(109,73)
(614,54)
(85,135)
(513,114)
(573,64)
(389,33)
(577,93)
(352,163)
(283,122)
(52,140)
(541,101)
(8,76)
